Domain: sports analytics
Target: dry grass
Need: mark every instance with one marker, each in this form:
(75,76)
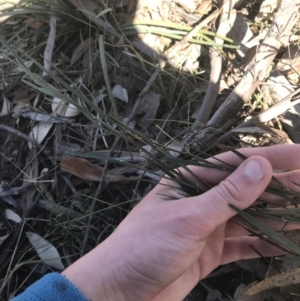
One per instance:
(129,143)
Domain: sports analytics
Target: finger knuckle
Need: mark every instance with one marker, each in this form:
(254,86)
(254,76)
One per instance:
(229,190)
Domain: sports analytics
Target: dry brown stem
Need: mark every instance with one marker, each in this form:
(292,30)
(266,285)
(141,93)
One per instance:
(216,68)
(277,36)
(265,116)
(278,280)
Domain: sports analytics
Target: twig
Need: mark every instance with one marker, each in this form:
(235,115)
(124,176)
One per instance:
(258,67)
(279,108)
(278,35)
(41,117)
(15,190)
(216,68)
(18,133)
(50,46)
(71,186)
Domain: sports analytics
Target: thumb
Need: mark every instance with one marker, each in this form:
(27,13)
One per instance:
(241,189)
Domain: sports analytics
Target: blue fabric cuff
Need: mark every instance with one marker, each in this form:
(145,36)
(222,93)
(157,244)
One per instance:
(51,287)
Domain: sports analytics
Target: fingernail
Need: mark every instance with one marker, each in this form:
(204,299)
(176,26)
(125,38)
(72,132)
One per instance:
(254,171)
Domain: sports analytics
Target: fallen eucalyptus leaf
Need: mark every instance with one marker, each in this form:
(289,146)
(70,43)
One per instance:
(81,49)
(18,69)
(148,105)
(5,107)
(119,92)
(61,108)
(12,216)
(45,250)
(39,132)
(86,170)
(175,148)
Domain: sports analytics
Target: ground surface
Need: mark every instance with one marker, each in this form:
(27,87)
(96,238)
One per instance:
(101,98)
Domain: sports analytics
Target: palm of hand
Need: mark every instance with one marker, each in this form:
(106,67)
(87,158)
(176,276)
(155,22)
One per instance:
(170,241)
(179,240)
(172,256)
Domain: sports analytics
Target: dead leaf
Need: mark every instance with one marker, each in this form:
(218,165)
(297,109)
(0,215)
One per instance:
(6,107)
(91,172)
(148,105)
(39,132)
(12,216)
(7,199)
(146,151)
(82,168)
(46,251)
(33,23)
(62,108)
(27,64)
(119,92)
(175,148)
(81,49)
(204,7)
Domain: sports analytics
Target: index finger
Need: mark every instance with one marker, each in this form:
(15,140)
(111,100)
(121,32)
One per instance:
(281,157)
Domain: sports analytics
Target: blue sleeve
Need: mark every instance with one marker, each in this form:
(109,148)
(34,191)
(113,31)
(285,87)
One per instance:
(51,287)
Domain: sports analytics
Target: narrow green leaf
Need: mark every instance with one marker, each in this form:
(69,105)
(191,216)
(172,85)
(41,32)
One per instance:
(169,24)
(266,230)
(106,78)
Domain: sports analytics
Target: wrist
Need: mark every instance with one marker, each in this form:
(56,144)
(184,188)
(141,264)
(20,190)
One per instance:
(95,276)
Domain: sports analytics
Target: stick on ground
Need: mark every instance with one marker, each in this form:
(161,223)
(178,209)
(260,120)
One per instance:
(277,36)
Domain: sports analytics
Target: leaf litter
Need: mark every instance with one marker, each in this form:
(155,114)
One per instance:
(90,126)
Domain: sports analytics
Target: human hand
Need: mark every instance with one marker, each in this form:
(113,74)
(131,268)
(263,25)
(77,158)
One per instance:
(170,241)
